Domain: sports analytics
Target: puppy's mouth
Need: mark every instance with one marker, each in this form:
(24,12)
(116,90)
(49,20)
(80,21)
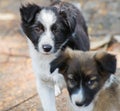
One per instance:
(82,104)
(47,53)
(79,104)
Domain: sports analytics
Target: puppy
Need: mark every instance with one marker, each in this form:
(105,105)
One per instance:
(47,30)
(90,80)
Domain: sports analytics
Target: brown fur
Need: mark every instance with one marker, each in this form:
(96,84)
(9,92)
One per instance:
(108,99)
(102,64)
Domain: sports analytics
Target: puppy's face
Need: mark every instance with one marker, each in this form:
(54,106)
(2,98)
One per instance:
(85,73)
(45,27)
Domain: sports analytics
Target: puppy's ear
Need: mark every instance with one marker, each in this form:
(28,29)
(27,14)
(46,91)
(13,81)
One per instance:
(69,21)
(106,62)
(60,63)
(29,12)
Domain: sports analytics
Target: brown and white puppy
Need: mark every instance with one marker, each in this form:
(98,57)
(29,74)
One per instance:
(90,80)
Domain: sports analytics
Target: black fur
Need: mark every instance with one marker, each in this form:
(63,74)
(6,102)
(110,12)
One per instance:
(60,62)
(107,63)
(70,24)
(73,17)
(28,13)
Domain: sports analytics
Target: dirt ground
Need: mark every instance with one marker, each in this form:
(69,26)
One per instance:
(17,81)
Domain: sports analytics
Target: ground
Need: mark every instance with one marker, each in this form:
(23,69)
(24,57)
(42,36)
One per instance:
(17,81)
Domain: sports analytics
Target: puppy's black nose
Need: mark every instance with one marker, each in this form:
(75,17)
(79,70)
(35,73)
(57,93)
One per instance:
(46,47)
(79,103)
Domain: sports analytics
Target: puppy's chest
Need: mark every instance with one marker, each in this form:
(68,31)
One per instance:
(41,65)
(44,65)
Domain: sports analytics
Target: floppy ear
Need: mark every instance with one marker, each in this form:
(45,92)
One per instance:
(69,21)
(60,63)
(28,12)
(106,62)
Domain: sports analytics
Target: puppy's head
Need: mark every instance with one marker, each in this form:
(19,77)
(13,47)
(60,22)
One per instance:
(85,73)
(46,27)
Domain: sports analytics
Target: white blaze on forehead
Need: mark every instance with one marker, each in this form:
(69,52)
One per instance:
(47,17)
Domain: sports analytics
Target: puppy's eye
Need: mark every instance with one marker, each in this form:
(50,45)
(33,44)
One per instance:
(92,84)
(39,29)
(72,81)
(54,28)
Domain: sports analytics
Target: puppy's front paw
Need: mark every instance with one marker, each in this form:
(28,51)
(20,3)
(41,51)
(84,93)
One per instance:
(57,90)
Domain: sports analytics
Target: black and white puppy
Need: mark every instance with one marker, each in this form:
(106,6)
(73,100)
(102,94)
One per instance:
(47,29)
(90,79)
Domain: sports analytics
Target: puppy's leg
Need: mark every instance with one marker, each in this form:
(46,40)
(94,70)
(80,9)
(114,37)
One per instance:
(57,90)
(59,82)
(47,96)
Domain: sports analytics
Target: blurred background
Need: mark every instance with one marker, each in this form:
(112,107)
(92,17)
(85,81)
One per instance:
(17,82)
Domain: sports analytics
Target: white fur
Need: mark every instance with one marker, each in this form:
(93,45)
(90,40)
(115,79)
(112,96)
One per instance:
(57,90)
(45,81)
(47,18)
(78,96)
